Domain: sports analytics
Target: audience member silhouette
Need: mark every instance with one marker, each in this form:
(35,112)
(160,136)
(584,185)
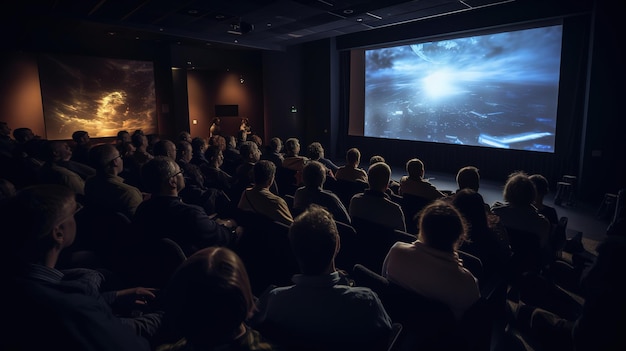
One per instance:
(431,266)
(21,136)
(208,302)
(232,156)
(53,173)
(351,171)
(199,147)
(542,189)
(6,143)
(486,237)
(292,160)
(374,205)
(415,184)
(62,308)
(314,176)
(165,215)
(260,199)
(518,212)
(215,177)
(322,306)
(107,191)
(164,147)
(315,152)
(274,152)
(82,144)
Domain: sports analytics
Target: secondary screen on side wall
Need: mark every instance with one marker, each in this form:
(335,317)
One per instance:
(497,90)
(99,95)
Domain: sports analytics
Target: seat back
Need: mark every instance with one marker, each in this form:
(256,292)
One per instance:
(345,190)
(154,262)
(527,254)
(411,206)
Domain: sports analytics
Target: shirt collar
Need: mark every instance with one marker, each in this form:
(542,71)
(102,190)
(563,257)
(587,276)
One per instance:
(326,280)
(44,273)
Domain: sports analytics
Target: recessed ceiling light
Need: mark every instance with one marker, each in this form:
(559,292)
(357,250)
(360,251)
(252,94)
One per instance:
(161,29)
(192,12)
(348,11)
(359,19)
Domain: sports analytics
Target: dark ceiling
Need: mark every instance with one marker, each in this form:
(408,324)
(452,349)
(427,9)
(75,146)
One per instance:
(258,24)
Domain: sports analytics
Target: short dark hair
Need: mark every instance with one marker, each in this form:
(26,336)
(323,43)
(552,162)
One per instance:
(160,147)
(275,144)
(264,171)
(314,239)
(378,176)
(157,171)
(78,134)
(541,184)
(21,134)
(468,177)
(212,152)
(441,226)
(415,168)
(519,189)
(353,155)
(100,156)
(314,174)
(315,150)
(376,159)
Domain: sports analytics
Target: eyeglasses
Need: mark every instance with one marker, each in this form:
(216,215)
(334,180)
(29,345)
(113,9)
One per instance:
(181,172)
(116,157)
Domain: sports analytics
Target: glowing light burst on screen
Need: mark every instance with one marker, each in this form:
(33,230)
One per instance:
(439,84)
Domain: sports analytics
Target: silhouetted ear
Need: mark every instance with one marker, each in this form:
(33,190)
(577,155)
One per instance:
(58,235)
(173,182)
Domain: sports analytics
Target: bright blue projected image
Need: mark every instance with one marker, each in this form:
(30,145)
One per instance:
(498,90)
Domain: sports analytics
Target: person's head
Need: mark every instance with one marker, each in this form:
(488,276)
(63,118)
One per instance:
(39,220)
(472,206)
(264,172)
(209,297)
(292,147)
(468,177)
(80,137)
(22,135)
(216,121)
(183,151)
(140,141)
(219,141)
(126,149)
(275,144)
(378,176)
(164,148)
(250,152)
(185,136)
(376,159)
(215,156)
(162,176)
(441,226)
(353,156)
(314,240)
(415,168)
(198,145)
(58,150)
(541,186)
(231,141)
(5,130)
(315,151)
(123,136)
(314,174)
(106,159)
(519,190)
(257,140)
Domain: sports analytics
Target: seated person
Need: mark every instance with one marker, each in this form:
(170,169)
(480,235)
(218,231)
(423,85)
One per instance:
(214,176)
(82,144)
(314,176)
(315,152)
(415,184)
(53,173)
(232,156)
(321,306)
(71,311)
(107,190)
(273,152)
(374,204)
(518,212)
(292,160)
(542,189)
(165,215)
(431,266)
(351,171)
(208,302)
(468,178)
(260,199)
(393,185)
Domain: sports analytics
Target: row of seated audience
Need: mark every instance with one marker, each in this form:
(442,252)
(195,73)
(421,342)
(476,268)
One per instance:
(194,193)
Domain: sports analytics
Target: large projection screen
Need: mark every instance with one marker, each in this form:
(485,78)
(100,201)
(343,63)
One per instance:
(495,90)
(99,95)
